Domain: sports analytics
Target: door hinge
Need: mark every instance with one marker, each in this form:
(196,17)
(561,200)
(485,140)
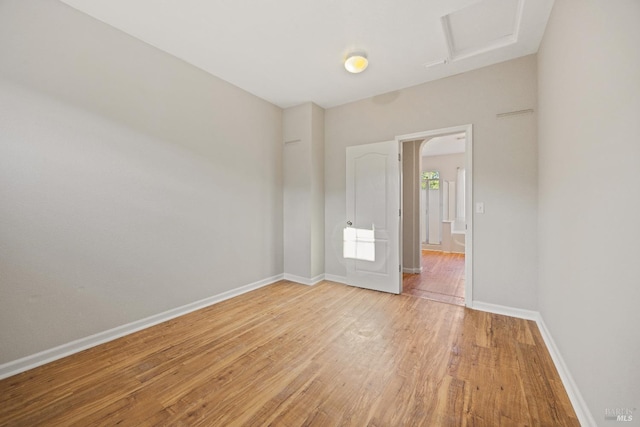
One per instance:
(399,212)
(399,269)
(399,157)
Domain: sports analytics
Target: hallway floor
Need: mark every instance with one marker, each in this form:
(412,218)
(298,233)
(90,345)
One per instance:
(442,278)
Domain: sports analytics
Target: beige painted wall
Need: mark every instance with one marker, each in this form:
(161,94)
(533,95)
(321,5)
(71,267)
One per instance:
(505,166)
(303,130)
(317,191)
(589,96)
(411,254)
(131,183)
(296,128)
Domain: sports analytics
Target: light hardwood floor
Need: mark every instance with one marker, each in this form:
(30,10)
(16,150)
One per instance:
(291,355)
(442,278)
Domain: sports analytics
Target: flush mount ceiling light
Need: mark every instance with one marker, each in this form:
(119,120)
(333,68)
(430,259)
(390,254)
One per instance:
(356,62)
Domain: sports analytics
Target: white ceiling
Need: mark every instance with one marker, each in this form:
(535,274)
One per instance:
(447,144)
(292,51)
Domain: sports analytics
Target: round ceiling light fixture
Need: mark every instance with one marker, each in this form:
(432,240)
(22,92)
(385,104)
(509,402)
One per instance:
(356,62)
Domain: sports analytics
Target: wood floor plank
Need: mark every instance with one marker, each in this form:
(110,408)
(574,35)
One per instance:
(293,355)
(441,279)
(273,344)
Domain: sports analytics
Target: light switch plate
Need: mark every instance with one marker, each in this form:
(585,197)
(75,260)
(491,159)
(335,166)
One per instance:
(480,207)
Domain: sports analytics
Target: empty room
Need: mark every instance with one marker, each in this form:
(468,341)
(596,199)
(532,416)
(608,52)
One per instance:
(228,213)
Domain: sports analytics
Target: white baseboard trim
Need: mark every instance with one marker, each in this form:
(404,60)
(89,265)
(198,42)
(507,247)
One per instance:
(507,311)
(577,401)
(579,405)
(412,270)
(335,278)
(29,362)
(303,280)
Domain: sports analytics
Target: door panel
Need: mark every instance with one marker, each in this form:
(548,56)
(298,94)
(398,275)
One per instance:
(370,190)
(371,236)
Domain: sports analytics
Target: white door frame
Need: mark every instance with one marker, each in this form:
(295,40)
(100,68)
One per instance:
(468,244)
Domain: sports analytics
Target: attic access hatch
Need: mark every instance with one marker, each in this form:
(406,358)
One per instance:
(482,27)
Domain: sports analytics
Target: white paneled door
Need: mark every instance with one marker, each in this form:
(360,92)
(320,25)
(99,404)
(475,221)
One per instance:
(371,245)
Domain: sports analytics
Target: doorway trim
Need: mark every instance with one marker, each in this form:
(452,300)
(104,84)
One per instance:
(468,244)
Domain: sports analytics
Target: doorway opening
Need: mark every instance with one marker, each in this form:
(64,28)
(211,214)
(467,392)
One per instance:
(436,238)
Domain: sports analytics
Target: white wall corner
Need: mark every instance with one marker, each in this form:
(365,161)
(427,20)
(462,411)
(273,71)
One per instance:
(577,401)
(41,358)
(304,280)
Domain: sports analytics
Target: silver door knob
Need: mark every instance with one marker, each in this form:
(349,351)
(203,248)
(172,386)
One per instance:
(349,223)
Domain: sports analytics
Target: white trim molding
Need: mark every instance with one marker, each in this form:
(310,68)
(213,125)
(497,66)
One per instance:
(507,311)
(29,362)
(579,405)
(468,258)
(577,401)
(303,280)
(412,270)
(335,278)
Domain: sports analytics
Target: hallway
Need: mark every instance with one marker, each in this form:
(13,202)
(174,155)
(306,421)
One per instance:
(442,278)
